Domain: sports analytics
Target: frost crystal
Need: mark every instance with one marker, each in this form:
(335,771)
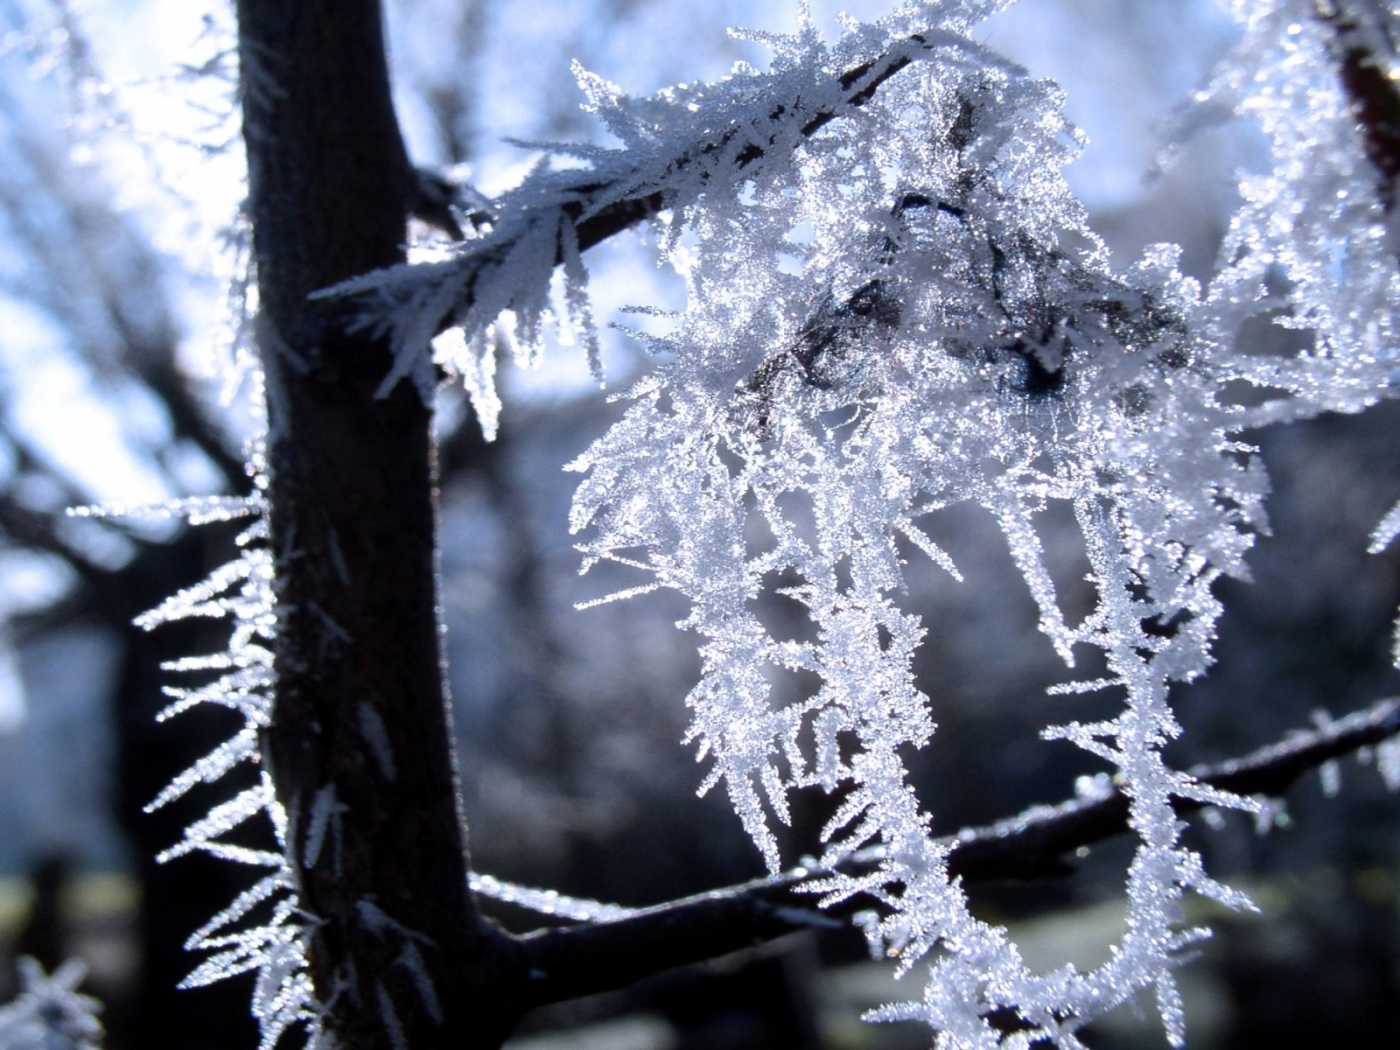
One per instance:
(273,946)
(1322,216)
(1325,215)
(900,309)
(895,305)
(49,1013)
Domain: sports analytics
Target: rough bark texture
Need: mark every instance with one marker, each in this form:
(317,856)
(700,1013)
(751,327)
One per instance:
(361,718)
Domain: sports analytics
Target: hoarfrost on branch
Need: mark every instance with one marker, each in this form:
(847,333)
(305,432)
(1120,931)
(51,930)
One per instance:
(895,305)
(953,332)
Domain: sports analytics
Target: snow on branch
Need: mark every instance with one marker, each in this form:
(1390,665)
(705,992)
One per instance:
(607,952)
(49,1013)
(913,314)
(679,148)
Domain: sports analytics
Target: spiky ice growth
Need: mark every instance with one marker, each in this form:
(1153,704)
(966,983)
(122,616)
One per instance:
(50,1013)
(904,312)
(896,305)
(262,930)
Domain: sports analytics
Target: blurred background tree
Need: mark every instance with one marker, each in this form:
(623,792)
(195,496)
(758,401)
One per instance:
(116,266)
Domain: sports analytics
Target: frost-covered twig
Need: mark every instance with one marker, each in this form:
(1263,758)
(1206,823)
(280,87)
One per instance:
(1366,66)
(49,1013)
(715,141)
(1031,845)
(859,84)
(580,960)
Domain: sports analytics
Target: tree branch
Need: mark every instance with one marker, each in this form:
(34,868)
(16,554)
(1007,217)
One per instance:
(552,213)
(860,84)
(1373,95)
(1030,846)
(572,961)
(361,738)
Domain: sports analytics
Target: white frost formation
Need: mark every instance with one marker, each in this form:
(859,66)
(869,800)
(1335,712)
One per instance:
(262,930)
(905,310)
(49,1013)
(896,305)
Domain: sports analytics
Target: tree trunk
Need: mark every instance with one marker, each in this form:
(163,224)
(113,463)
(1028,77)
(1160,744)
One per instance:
(361,730)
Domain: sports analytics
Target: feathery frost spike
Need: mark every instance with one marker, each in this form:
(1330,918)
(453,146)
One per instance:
(49,1013)
(1386,531)
(240,594)
(222,819)
(242,748)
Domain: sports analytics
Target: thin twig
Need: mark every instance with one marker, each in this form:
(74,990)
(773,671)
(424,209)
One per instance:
(1375,101)
(568,962)
(860,84)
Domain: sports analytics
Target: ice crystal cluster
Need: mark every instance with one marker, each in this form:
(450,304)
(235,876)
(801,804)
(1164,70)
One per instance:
(906,313)
(49,1013)
(262,930)
(895,305)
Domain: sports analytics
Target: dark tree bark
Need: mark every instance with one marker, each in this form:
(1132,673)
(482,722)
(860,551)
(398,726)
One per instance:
(360,714)
(1372,94)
